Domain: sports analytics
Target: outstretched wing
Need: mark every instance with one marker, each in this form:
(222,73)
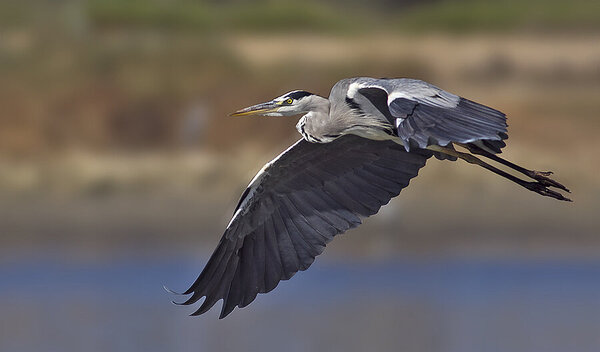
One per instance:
(294,207)
(424,114)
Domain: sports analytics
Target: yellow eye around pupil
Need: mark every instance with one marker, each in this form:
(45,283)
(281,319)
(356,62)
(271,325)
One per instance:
(289,101)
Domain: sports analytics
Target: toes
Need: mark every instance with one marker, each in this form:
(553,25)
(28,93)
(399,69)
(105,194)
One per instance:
(541,188)
(555,195)
(551,183)
(542,177)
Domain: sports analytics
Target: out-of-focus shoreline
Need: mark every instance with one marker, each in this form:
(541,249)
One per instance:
(124,145)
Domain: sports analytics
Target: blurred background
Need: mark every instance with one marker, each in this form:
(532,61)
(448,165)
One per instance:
(119,169)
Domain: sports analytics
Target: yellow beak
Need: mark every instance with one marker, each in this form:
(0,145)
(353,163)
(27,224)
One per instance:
(259,109)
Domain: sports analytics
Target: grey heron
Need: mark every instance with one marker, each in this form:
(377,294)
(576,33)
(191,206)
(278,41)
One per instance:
(359,149)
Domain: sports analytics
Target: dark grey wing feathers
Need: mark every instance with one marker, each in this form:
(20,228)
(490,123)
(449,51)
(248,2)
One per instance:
(421,124)
(297,205)
(274,268)
(424,114)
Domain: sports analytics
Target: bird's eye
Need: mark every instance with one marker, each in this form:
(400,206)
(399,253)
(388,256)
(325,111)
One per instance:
(289,101)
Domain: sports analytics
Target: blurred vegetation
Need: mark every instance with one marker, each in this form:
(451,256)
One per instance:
(333,16)
(130,98)
(503,15)
(351,17)
(260,15)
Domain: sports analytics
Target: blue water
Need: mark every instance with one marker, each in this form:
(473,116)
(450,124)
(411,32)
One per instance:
(452,304)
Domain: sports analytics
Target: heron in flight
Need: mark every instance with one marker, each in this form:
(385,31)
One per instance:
(358,150)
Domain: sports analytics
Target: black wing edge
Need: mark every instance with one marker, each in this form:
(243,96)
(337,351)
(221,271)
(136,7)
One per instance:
(468,122)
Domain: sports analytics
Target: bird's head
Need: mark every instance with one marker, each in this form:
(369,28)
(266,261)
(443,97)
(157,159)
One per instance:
(292,103)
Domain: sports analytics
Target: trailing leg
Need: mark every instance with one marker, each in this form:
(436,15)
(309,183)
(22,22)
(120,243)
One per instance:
(540,187)
(541,176)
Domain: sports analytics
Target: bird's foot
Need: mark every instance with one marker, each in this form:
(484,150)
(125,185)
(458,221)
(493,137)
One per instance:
(541,187)
(535,173)
(543,178)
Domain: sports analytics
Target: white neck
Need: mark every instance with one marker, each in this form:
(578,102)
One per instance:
(315,103)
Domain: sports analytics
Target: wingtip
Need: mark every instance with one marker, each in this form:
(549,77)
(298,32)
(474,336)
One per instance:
(171,291)
(226,310)
(184,303)
(179,303)
(203,309)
